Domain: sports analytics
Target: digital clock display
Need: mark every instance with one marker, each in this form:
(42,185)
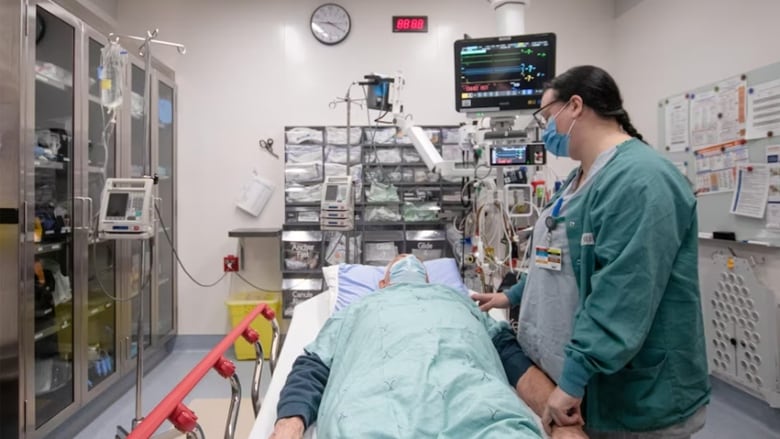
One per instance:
(405,23)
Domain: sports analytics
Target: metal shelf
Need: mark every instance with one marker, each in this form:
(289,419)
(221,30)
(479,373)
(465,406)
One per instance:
(408,187)
(255,233)
(398,165)
(45,164)
(314,271)
(399,223)
(411,145)
(423,223)
(302,226)
(94,310)
(60,325)
(56,83)
(434,185)
(369,146)
(50,247)
(304,204)
(382,203)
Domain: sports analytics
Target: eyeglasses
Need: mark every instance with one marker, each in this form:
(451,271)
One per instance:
(541,120)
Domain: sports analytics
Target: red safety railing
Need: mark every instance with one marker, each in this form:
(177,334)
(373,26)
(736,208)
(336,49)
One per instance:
(172,406)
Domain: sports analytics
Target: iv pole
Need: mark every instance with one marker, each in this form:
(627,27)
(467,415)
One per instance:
(347,99)
(146,51)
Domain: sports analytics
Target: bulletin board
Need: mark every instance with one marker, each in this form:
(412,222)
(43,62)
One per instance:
(721,137)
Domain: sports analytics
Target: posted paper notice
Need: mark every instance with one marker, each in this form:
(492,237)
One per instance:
(731,118)
(677,127)
(763,110)
(704,111)
(716,167)
(752,192)
(773,199)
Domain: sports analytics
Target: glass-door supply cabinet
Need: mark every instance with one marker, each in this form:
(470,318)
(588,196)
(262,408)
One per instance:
(75,295)
(164,138)
(52,201)
(102,256)
(141,278)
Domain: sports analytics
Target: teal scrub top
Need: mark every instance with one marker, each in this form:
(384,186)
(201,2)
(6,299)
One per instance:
(637,350)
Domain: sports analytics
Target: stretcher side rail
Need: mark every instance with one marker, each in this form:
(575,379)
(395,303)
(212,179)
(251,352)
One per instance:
(172,407)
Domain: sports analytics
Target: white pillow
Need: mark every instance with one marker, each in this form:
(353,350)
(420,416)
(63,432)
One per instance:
(331,275)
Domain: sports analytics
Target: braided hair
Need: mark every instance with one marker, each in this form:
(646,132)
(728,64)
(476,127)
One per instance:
(598,90)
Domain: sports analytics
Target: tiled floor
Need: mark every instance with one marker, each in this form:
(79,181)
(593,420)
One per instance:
(731,414)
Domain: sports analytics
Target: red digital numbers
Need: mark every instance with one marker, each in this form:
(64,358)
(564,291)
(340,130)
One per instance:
(410,24)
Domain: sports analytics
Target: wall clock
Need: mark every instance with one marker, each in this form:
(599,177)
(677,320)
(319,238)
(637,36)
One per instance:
(330,24)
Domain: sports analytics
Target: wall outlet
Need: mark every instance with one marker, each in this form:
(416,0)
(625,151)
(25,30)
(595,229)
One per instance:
(230,264)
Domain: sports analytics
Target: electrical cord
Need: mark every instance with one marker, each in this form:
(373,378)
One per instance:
(176,254)
(97,272)
(181,264)
(382,116)
(372,145)
(264,290)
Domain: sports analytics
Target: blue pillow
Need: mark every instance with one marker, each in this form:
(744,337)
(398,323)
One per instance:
(356,281)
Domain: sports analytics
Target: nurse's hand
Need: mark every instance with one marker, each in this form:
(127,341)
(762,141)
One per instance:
(563,410)
(288,428)
(490,301)
(568,433)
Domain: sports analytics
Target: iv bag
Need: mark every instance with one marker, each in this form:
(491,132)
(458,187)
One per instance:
(113,59)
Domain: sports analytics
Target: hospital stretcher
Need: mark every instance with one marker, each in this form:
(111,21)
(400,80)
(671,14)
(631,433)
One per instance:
(307,320)
(173,409)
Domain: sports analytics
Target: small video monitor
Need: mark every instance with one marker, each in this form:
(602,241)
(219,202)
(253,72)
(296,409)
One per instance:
(509,155)
(117,205)
(378,96)
(336,192)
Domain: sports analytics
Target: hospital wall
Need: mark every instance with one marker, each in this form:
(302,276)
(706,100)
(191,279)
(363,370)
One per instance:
(665,47)
(253,67)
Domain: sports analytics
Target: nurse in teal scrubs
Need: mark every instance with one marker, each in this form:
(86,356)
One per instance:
(610,307)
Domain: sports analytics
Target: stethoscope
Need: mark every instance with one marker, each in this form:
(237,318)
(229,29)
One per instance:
(552,220)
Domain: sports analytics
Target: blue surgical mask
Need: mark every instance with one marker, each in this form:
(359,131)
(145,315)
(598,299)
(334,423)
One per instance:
(408,270)
(555,142)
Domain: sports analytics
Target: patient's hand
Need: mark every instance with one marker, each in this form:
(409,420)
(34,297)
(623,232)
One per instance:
(568,433)
(288,428)
(491,300)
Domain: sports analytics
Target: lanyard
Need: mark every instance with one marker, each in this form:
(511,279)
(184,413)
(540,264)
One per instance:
(552,221)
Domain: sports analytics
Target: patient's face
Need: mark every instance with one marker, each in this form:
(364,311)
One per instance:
(387,280)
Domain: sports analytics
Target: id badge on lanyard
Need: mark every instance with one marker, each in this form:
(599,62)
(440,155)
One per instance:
(549,257)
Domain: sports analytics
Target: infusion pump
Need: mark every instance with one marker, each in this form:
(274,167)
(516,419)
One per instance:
(337,211)
(127,209)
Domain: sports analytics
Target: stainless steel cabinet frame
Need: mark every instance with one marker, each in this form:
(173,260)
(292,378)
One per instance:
(64,342)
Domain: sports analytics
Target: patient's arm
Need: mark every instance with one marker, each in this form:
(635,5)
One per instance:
(514,360)
(288,428)
(301,395)
(534,387)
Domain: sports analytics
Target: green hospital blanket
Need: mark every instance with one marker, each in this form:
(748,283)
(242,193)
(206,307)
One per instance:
(416,361)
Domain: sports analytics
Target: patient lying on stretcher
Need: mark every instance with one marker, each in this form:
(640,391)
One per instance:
(413,360)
